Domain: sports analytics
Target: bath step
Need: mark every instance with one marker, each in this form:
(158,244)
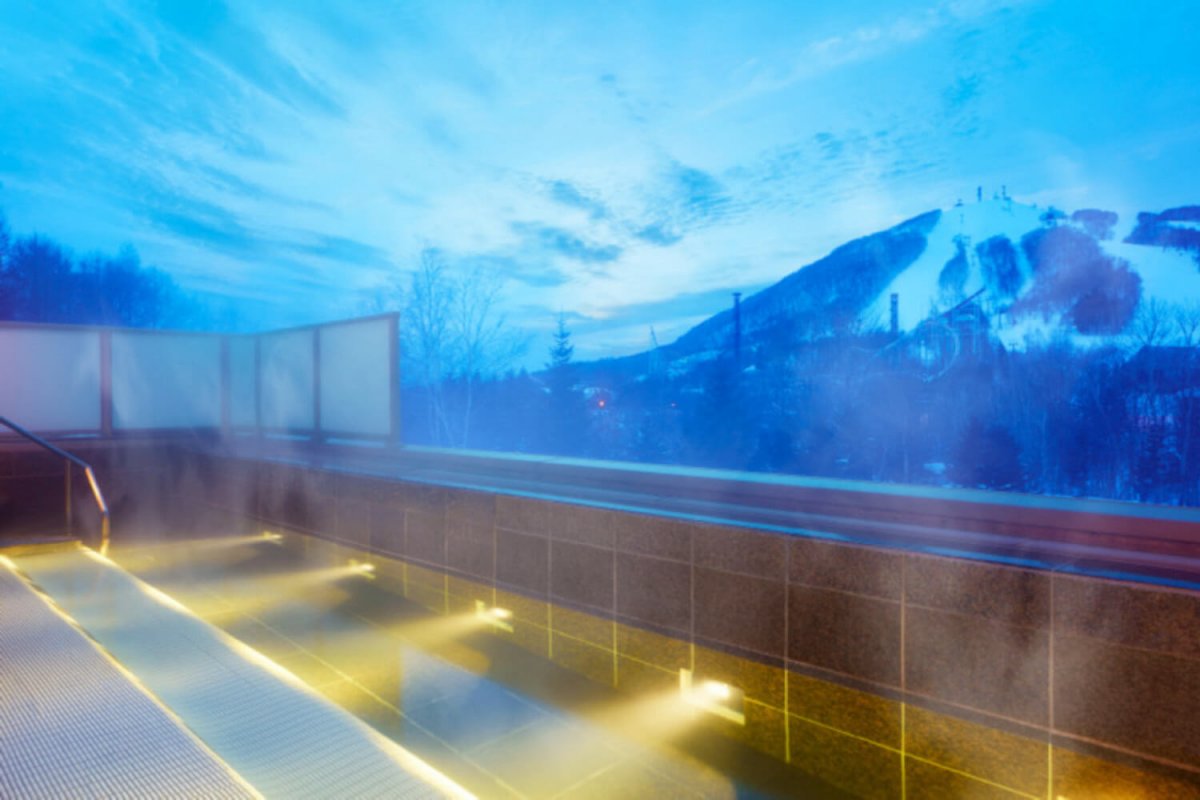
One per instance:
(280,736)
(73,723)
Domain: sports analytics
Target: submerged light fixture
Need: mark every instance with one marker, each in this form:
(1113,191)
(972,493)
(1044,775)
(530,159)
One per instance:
(494,616)
(715,697)
(272,537)
(366,569)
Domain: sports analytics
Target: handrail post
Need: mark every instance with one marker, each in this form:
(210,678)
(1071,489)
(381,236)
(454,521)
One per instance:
(97,495)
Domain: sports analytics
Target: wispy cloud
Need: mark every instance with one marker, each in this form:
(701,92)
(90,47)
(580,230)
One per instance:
(213,29)
(883,36)
(210,231)
(568,194)
(619,166)
(683,305)
(342,250)
(528,272)
(658,233)
(566,244)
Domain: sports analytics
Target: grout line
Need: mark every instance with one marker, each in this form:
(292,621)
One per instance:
(670,670)
(1136,648)
(404,549)
(495,553)
(1190,769)
(900,751)
(787,676)
(579,783)
(800,584)
(692,601)
(1050,699)
(855,736)
(979,617)
(976,712)
(356,684)
(903,678)
(1001,786)
(616,676)
(549,595)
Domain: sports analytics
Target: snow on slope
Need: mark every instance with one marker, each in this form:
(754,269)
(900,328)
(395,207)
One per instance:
(1170,276)
(918,285)
(849,274)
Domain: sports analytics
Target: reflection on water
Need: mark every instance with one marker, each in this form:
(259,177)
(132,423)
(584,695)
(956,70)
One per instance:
(498,700)
(431,682)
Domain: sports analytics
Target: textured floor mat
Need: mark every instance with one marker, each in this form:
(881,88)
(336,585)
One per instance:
(73,724)
(283,738)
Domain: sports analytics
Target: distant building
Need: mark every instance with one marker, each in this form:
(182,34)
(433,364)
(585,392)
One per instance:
(941,340)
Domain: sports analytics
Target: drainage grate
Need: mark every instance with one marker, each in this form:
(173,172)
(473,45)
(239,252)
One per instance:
(72,724)
(286,740)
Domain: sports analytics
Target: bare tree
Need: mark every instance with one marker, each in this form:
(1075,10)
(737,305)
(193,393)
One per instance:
(1187,332)
(1186,319)
(425,336)
(1151,325)
(480,341)
(454,335)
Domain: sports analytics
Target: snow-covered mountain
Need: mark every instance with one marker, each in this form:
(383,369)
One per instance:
(952,266)
(1033,272)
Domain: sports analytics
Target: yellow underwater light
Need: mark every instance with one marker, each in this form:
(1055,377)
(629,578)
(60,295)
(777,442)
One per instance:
(715,697)
(500,618)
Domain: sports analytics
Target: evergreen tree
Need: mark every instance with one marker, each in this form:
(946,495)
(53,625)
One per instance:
(566,419)
(562,350)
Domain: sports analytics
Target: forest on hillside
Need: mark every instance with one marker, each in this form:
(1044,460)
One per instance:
(946,406)
(1051,420)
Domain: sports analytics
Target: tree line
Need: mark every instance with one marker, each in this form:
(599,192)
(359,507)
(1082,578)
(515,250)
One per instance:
(1120,420)
(42,281)
(1117,421)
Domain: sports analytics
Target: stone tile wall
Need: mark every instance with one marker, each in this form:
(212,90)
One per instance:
(884,672)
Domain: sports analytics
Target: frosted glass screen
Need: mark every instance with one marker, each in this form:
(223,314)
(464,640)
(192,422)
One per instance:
(286,380)
(166,381)
(50,380)
(356,378)
(242,396)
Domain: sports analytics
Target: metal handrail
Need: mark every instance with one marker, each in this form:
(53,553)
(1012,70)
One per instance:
(97,495)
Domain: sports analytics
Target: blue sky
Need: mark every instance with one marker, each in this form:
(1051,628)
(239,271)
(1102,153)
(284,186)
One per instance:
(629,164)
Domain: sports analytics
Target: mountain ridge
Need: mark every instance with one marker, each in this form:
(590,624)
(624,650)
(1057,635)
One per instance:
(1036,273)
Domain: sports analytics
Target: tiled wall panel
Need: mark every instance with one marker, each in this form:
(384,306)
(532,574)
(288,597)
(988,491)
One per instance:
(880,672)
